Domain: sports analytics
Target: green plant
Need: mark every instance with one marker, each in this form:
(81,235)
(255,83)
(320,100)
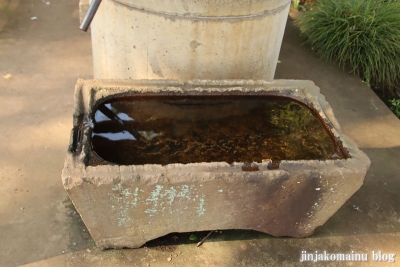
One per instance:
(193,237)
(395,106)
(361,34)
(296,4)
(302,4)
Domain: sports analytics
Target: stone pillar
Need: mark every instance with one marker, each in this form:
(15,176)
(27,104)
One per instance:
(186,39)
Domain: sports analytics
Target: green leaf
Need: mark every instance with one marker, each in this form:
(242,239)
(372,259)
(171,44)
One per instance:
(193,237)
(363,35)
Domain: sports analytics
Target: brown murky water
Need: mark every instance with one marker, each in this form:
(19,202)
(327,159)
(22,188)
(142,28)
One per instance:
(189,129)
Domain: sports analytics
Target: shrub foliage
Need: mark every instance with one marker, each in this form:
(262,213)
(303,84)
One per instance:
(361,34)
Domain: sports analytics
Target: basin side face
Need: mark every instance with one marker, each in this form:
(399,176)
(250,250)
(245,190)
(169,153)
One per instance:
(126,206)
(184,40)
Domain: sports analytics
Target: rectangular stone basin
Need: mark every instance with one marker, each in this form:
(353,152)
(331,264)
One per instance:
(128,193)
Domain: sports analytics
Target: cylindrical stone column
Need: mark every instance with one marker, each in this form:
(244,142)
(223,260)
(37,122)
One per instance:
(188,39)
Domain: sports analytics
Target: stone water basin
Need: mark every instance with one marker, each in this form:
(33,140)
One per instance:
(206,155)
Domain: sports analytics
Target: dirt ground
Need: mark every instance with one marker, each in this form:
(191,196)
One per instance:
(44,58)
(40,61)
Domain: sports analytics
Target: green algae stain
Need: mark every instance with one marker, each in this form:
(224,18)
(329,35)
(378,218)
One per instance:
(159,201)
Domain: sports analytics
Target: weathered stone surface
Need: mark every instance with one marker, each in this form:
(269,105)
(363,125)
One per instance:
(184,40)
(125,206)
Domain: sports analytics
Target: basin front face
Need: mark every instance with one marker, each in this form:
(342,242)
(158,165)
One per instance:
(148,158)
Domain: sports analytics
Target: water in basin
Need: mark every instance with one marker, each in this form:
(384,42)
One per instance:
(190,129)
